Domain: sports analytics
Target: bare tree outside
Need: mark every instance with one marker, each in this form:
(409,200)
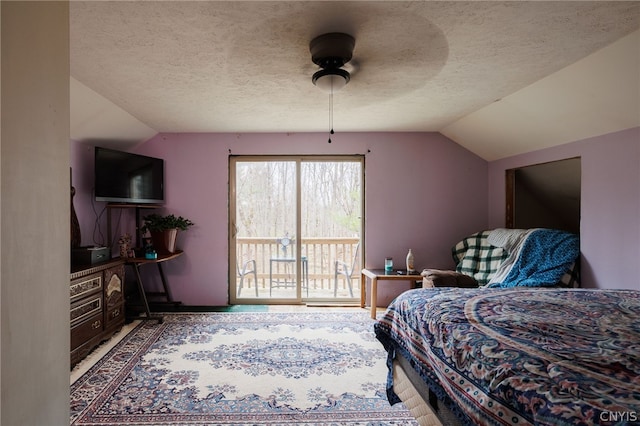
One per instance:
(330,191)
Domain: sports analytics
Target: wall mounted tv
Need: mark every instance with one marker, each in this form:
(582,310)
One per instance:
(124,177)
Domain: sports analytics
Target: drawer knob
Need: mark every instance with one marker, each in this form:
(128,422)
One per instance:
(96,325)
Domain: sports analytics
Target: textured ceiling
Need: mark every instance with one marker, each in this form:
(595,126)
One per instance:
(245,66)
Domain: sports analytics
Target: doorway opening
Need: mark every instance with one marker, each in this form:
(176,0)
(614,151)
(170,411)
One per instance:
(295,229)
(544,195)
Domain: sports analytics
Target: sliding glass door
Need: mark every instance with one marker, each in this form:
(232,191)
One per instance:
(295,227)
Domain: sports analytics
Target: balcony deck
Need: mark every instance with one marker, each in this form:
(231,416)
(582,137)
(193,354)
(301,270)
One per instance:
(320,254)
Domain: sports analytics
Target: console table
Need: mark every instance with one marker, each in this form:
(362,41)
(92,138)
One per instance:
(137,263)
(380,274)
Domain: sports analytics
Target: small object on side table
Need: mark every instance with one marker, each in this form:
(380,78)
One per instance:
(388,265)
(125,245)
(410,269)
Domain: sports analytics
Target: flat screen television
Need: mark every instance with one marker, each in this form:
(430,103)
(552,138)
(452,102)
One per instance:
(124,177)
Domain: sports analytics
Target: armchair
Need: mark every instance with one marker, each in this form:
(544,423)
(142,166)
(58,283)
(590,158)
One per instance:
(511,258)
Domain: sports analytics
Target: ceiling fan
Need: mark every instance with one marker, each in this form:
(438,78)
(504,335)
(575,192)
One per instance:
(331,52)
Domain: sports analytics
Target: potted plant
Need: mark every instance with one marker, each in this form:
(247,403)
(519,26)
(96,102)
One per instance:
(163,231)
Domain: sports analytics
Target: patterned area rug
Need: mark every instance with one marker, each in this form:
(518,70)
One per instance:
(259,368)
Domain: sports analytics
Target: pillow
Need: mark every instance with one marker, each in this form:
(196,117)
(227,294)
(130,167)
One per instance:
(439,278)
(506,238)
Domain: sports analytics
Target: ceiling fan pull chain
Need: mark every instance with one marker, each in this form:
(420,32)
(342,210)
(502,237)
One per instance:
(330,115)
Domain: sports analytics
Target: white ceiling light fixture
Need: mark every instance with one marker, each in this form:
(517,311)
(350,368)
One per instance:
(331,80)
(331,52)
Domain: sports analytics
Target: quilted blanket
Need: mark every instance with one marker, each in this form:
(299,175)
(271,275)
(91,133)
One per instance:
(539,258)
(542,356)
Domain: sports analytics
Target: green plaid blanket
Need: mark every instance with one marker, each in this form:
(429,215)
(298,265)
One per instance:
(474,256)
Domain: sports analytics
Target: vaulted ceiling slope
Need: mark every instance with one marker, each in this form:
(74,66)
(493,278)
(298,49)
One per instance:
(238,66)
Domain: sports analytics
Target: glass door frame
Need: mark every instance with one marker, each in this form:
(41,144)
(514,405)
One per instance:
(232,230)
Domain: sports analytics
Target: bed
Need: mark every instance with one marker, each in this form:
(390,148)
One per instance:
(543,356)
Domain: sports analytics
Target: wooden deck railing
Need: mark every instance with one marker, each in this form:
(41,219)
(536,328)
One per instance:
(321,254)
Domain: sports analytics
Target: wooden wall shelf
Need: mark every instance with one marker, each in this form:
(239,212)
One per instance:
(138,208)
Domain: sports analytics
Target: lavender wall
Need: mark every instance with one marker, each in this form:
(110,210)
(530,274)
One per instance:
(82,181)
(423,192)
(92,215)
(610,204)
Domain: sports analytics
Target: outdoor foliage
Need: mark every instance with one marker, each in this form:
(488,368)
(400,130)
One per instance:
(330,194)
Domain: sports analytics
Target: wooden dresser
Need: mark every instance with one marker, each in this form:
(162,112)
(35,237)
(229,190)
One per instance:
(97,305)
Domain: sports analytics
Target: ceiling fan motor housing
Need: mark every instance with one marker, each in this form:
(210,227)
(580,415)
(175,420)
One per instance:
(332,50)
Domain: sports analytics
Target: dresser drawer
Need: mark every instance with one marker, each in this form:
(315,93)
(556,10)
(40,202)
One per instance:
(86,330)
(114,316)
(85,308)
(83,287)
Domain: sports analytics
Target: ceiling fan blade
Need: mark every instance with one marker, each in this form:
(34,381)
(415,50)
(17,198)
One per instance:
(352,67)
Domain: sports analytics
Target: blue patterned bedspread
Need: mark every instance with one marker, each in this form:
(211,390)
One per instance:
(522,356)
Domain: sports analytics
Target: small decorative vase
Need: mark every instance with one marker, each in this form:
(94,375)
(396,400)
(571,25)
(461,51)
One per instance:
(410,266)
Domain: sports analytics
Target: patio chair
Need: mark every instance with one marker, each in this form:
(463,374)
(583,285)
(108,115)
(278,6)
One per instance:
(346,270)
(248,267)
